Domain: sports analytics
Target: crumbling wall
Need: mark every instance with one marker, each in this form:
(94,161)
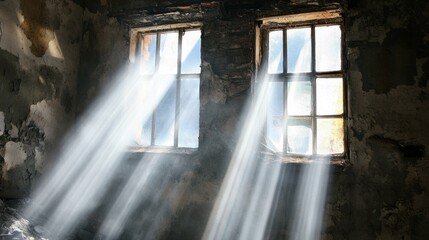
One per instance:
(387,53)
(382,191)
(39,42)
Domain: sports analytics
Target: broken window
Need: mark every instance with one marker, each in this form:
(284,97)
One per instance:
(171,58)
(302,59)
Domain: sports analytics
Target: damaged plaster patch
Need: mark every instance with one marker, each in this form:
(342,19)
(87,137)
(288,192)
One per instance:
(14,155)
(1,123)
(35,25)
(14,131)
(49,117)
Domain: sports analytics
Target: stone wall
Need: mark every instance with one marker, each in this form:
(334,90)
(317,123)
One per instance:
(39,46)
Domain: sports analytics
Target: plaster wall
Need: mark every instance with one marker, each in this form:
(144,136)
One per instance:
(39,56)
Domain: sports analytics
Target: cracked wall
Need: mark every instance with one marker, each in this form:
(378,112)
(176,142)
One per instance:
(39,46)
(387,58)
(381,193)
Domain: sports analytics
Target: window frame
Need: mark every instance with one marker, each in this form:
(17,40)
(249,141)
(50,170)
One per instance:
(135,41)
(295,21)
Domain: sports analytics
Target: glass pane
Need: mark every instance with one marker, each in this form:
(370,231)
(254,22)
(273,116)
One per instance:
(148,53)
(275,117)
(165,114)
(275,53)
(147,132)
(168,53)
(189,113)
(329,93)
(299,98)
(330,136)
(299,50)
(328,48)
(299,137)
(191,52)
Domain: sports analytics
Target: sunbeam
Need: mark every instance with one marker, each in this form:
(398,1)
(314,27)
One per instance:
(92,152)
(246,203)
(98,145)
(226,220)
(310,201)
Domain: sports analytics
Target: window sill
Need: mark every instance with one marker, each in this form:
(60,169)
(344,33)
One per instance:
(337,160)
(161,150)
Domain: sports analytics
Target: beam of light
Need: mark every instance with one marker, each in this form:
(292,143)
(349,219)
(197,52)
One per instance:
(261,201)
(310,201)
(227,220)
(92,152)
(138,189)
(246,203)
(134,191)
(152,193)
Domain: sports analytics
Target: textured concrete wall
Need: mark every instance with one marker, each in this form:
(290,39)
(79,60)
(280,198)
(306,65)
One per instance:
(39,46)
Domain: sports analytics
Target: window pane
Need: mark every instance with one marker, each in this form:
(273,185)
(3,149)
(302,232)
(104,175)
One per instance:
(299,50)
(329,92)
(299,137)
(275,117)
(189,113)
(168,53)
(147,132)
(299,98)
(275,53)
(165,114)
(330,136)
(191,53)
(148,53)
(328,48)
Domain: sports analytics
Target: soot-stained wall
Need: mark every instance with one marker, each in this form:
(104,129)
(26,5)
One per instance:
(380,193)
(39,46)
(382,190)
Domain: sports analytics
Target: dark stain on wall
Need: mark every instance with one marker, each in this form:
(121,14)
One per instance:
(390,64)
(10,88)
(67,100)
(14,85)
(35,25)
(425,77)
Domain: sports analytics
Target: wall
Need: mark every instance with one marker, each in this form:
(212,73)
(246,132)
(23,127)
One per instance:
(39,46)
(388,74)
(382,191)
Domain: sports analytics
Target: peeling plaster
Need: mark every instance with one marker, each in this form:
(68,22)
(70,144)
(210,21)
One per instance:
(49,116)
(1,123)
(61,40)
(14,131)
(15,155)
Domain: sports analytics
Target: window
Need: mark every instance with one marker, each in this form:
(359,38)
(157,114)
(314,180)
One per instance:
(303,64)
(170,58)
